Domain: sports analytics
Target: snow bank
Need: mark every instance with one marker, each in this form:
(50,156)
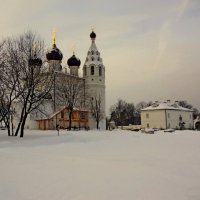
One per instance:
(97,165)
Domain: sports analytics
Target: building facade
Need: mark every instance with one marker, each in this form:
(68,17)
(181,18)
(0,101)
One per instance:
(167,115)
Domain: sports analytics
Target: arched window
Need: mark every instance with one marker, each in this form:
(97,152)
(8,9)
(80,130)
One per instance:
(92,58)
(100,71)
(92,70)
(92,52)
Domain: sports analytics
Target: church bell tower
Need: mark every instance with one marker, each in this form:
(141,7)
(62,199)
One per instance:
(94,75)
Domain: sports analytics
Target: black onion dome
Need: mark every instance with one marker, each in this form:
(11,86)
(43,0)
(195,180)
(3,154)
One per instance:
(54,54)
(93,35)
(74,61)
(35,61)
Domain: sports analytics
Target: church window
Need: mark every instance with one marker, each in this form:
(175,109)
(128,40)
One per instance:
(92,70)
(92,52)
(147,125)
(100,71)
(85,71)
(92,58)
(98,59)
(97,53)
(147,115)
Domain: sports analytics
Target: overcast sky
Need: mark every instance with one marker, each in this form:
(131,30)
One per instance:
(150,48)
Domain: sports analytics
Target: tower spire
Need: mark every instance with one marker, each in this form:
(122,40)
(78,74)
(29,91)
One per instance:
(53,37)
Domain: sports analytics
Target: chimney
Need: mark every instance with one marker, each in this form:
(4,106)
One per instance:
(176,103)
(168,102)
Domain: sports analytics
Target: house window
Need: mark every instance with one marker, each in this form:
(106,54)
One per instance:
(148,125)
(92,70)
(82,115)
(147,115)
(100,71)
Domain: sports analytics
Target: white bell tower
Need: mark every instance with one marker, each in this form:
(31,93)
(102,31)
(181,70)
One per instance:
(94,75)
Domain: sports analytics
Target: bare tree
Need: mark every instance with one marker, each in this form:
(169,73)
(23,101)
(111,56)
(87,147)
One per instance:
(24,79)
(34,82)
(71,94)
(96,109)
(9,81)
(118,112)
(185,104)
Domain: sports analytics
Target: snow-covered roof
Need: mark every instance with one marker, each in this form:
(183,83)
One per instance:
(61,109)
(166,106)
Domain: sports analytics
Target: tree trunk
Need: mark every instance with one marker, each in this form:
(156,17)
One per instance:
(7,124)
(8,131)
(23,125)
(70,120)
(20,122)
(97,124)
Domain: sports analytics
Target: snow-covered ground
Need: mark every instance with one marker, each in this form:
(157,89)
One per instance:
(97,165)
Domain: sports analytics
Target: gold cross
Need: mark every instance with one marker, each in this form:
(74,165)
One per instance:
(34,46)
(92,27)
(53,37)
(74,48)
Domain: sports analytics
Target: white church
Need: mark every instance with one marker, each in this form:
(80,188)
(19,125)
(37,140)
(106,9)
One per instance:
(94,83)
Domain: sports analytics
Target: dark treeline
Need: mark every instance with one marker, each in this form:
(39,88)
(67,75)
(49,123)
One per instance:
(123,113)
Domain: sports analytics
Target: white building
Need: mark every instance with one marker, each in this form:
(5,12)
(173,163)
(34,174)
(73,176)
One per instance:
(93,77)
(166,115)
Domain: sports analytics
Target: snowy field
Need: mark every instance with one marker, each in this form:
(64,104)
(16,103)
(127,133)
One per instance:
(97,165)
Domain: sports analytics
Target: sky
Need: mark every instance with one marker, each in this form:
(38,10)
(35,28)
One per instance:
(150,48)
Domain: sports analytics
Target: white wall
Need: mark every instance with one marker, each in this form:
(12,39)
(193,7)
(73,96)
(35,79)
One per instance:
(173,119)
(159,119)
(156,119)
